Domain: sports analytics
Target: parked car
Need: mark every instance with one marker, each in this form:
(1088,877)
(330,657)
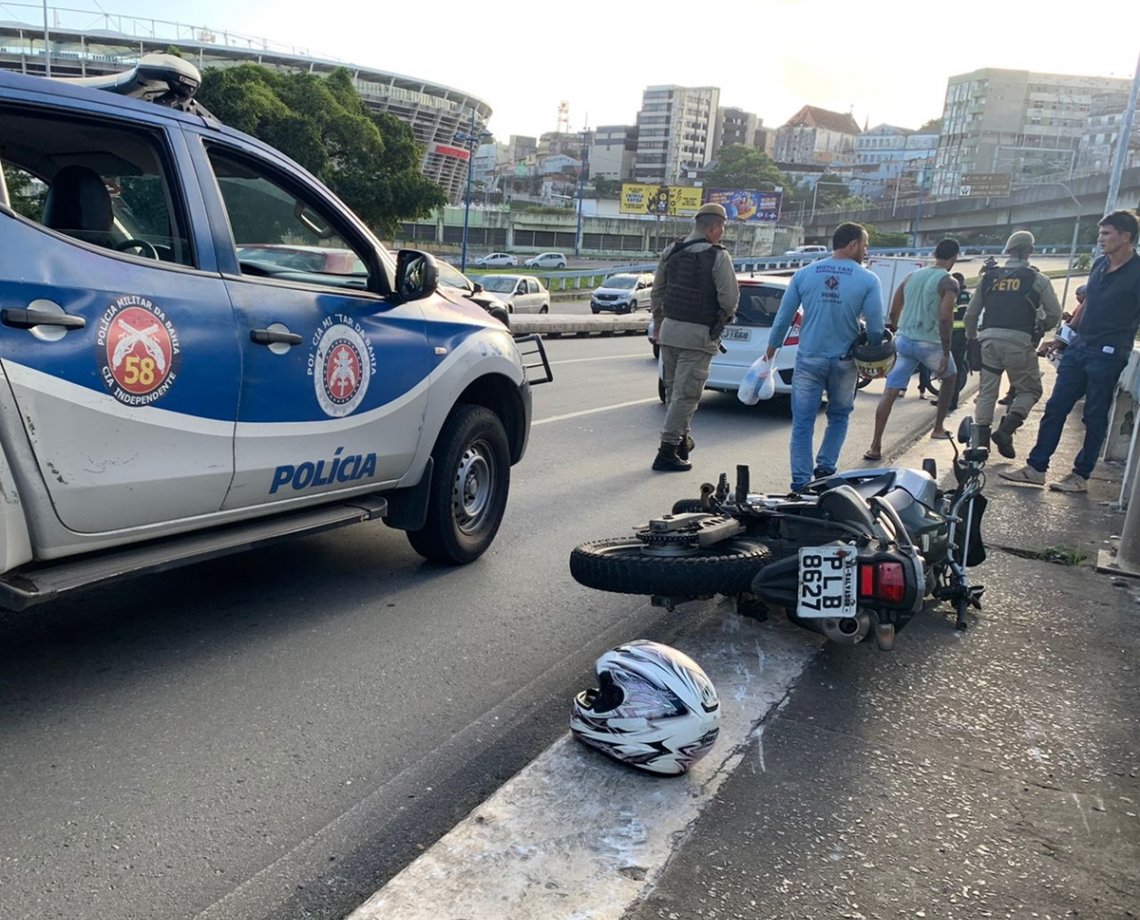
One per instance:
(452,279)
(496,260)
(521,293)
(547,260)
(808,251)
(746,338)
(623,293)
(178,388)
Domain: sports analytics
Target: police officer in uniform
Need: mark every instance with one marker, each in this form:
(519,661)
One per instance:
(695,295)
(1011,307)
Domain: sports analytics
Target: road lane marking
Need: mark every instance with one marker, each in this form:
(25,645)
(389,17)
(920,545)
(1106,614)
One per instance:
(595,410)
(574,834)
(640,354)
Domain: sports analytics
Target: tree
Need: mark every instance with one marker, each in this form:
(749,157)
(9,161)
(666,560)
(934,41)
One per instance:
(369,159)
(740,166)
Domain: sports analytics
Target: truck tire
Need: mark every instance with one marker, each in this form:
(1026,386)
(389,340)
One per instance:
(620,564)
(468,493)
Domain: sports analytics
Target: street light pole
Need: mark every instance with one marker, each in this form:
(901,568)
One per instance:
(471,141)
(47,48)
(583,165)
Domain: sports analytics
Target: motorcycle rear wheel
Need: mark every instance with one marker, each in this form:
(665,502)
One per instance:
(621,565)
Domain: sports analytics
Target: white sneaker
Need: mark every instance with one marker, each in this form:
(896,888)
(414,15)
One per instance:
(1026,474)
(1071,483)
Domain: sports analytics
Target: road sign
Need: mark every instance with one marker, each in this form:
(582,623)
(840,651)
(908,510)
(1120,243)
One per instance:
(984,185)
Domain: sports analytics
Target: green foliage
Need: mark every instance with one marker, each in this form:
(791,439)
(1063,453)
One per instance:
(25,194)
(1082,263)
(740,166)
(886,239)
(369,159)
(607,188)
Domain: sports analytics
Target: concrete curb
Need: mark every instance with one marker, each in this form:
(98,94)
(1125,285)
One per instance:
(556,326)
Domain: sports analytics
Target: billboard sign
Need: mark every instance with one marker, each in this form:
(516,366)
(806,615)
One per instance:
(659,200)
(446,150)
(747,205)
(984,185)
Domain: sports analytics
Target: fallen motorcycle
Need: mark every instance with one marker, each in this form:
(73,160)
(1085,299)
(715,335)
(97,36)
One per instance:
(853,552)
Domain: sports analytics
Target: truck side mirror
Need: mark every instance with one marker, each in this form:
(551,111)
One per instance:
(417,275)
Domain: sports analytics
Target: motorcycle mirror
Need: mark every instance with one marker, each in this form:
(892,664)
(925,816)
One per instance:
(964,430)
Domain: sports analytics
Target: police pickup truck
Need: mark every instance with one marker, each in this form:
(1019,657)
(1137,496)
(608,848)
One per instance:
(202,350)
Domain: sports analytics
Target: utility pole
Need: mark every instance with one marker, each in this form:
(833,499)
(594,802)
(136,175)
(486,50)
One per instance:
(47,47)
(1122,144)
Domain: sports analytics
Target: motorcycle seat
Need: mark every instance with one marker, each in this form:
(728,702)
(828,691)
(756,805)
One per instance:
(876,484)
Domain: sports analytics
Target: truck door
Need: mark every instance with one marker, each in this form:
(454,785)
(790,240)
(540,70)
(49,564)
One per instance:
(118,344)
(334,375)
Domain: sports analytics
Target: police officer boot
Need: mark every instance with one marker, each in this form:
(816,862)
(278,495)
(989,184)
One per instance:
(667,460)
(686,445)
(983,433)
(1003,436)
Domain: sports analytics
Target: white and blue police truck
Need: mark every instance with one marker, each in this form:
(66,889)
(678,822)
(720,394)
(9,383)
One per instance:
(202,350)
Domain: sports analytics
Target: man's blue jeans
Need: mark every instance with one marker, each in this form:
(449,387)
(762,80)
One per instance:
(812,377)
(1083,372)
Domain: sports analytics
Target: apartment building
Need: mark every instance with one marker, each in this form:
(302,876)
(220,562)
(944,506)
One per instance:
(887,155)
(736,126)
(1097,151)
(613,152)
(675,132)
(1026,124)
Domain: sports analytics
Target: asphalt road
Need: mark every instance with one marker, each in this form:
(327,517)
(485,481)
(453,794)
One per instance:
(276,733)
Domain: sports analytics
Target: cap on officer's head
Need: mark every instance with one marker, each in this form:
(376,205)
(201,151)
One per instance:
(1019,239)
(1082,289)
(717,210)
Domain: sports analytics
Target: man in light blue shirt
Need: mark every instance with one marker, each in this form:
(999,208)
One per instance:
(835,294)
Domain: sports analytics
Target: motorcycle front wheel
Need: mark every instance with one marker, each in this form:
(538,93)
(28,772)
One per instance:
(621,565)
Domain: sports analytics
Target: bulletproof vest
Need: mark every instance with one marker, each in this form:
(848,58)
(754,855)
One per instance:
(690,292)
(1009,299)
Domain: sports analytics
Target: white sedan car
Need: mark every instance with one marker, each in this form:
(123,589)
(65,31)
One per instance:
(496,260)
(521,293)
(746,338)
(547,260)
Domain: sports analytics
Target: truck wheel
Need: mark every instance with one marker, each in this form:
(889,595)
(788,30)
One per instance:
(622,565)
(468,494)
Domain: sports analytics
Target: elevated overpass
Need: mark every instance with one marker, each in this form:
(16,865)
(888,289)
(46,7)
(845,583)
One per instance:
(1033,206)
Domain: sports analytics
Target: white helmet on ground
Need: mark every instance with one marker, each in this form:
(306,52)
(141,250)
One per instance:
(654,708)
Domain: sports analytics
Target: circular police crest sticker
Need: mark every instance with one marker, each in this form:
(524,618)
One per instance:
(342,368)
(138,350)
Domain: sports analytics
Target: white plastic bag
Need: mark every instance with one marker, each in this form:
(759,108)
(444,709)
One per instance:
(758,382)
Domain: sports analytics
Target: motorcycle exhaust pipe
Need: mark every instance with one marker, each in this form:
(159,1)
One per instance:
(844,630)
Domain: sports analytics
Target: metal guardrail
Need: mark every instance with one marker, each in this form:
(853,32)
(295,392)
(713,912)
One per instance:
(1121,445)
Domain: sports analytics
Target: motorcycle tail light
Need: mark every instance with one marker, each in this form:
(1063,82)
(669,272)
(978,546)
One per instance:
(882,581)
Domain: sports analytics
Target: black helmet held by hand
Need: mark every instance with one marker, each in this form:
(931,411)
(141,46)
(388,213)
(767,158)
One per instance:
(874,360)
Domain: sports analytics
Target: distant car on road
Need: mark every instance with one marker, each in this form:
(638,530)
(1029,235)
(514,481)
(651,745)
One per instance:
(318,259)
(622,293)
(496,260)
(808,251)
(521,293)
(452,279)
(547,260)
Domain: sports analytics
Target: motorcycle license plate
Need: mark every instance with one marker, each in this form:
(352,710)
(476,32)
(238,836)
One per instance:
(827,585)
(736,333)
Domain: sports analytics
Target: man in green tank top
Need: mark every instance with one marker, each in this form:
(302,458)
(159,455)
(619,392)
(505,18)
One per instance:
(922,310)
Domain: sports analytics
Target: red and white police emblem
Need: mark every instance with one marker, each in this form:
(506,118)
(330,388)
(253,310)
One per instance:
(341,370)
(138,351)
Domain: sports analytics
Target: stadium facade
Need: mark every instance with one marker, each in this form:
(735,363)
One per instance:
(436,113)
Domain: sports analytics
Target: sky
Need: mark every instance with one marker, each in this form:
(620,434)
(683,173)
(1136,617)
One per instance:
(881,60)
